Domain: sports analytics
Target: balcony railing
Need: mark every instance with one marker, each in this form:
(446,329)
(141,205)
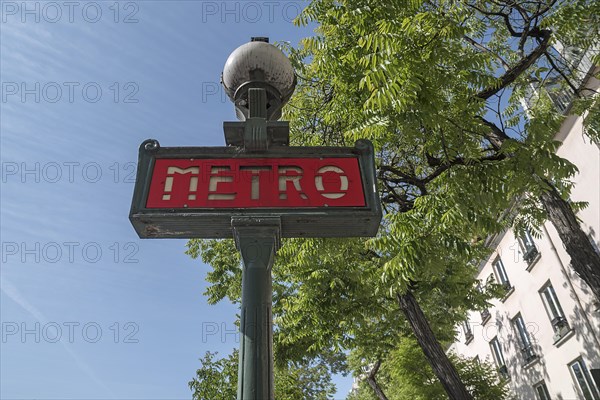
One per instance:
(485,315)
(561,328)
(530,254)
(528,354)
(508,290)
(468,337)
(503,371)
(559,323)
(580,63)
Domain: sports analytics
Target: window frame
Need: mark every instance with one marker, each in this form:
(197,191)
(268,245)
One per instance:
(595,245)
(498,356)
(500,273)
(528,247)
(466,327)
(546,395)
(525,339)
(590,384)
(526,240)
(484,314)
(556,314)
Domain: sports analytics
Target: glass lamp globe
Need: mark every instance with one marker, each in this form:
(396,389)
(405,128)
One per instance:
(258,64)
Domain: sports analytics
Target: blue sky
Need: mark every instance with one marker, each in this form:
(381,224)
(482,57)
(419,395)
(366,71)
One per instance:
(88,310)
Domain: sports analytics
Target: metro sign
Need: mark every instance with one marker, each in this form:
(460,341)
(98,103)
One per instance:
(193,192)
(256,183)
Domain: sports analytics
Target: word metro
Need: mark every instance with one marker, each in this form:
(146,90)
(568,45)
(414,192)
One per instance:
(256,182)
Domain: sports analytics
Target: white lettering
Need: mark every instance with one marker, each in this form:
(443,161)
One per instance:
(170,179)
(214,181)
(295,179)
(343,182)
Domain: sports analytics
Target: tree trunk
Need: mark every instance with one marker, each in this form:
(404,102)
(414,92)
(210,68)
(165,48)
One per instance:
(442,367)
(585,261)
(373,383)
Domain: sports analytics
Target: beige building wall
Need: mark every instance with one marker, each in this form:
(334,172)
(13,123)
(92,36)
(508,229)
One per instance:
(582,337)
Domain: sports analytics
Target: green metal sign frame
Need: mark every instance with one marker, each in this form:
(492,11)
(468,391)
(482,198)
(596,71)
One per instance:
(216,222)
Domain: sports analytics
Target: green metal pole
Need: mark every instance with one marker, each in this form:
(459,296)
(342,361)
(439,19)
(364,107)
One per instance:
(257,239)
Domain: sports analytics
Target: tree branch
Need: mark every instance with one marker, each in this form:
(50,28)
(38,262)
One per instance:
(513,73)
(504,16)
(481,47)
(560,71)
(496,136)
(440,166)
(373,383)
(403,178)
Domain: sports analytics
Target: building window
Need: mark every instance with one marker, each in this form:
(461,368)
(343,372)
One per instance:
(485,314)
(530,252)
(501,275)
(555,312)
(466,326)
(542,391)
(499,358)
(526,343)
(594,244)
(581,376)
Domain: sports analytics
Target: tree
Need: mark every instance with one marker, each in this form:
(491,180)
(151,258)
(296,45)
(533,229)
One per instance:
(431,81)
(217,380)
(329,296)
(437,87)
(450,76)
(407,375)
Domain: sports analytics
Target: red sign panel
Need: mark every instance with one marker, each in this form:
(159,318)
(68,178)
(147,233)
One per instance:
(256,183)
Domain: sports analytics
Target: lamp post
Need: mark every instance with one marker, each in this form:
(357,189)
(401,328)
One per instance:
(259,79)
(257,189)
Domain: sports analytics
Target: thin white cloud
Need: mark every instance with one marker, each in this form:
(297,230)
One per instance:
(15,295)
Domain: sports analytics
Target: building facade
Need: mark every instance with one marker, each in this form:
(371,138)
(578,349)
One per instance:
(544,334)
